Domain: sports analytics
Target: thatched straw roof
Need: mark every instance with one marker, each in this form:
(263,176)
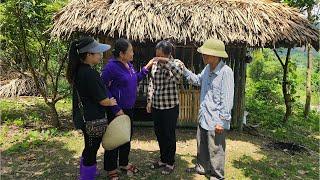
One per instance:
(253,23)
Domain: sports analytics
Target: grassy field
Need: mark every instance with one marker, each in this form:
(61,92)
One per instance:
(30,149)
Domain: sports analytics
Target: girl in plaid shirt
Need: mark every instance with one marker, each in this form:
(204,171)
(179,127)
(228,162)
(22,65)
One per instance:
(163,103)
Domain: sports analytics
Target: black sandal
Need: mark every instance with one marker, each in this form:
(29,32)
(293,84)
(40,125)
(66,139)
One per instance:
(157,165)
(167,170)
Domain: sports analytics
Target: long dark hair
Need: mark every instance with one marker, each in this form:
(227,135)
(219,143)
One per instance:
(121,45)
(76,58)
(166,47)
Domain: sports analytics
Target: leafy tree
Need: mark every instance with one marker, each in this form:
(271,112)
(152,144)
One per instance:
(307,5)
(27,47)
(264,78)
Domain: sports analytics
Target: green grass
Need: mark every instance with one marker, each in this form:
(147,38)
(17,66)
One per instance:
(315,99)
(41,155)
(32,111)
(297,129)
(33,152)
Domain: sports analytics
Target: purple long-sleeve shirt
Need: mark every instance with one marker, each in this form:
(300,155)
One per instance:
(122,83)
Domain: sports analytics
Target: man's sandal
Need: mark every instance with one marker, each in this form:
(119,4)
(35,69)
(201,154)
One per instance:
(167,170)
(157,165)
(194,170)
(131,170)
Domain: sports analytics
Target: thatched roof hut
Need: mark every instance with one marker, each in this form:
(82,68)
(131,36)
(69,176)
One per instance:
(239,23)
(253,23)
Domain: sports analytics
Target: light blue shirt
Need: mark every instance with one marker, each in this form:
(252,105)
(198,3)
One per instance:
(216,96)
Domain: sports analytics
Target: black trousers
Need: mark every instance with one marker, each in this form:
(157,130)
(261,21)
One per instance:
(122,152)
(165,122)
(91,146)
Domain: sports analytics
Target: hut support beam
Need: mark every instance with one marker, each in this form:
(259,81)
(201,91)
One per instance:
(240,69)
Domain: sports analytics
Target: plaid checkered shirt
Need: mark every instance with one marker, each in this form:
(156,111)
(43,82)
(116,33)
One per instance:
(163,88)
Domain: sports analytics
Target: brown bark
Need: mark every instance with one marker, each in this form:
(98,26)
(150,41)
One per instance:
(286,85)
(308,83)
(309,75)
(54,119)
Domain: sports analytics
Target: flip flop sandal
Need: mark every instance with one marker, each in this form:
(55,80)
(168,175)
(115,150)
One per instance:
(157,165)
(130,171)
(194,170)
(167,170)
(113,176)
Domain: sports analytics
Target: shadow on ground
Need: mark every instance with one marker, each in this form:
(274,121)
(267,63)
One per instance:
(39,159)
(274,163)
(247,157)
(143,160)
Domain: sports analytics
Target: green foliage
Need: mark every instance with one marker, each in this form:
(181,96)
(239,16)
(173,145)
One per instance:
(264,99)
(316,74)
(264,66)
(28,47)
(18,122)
(278,165)
(32,111)
(25,36)
(264,78)
(300,58)
(32,140)
(21,114)
(301,3)
(306,5)
(297,129)
(292,81)
(267,90)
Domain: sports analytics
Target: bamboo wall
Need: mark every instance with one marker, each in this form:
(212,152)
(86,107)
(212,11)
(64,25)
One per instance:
(189,106)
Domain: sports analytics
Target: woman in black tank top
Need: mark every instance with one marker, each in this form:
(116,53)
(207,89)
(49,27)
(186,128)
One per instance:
(84,54)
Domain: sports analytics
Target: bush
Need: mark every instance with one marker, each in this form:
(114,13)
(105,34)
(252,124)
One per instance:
(264,80)
(268,91)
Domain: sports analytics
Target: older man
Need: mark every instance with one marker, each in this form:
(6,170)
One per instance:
(216,101)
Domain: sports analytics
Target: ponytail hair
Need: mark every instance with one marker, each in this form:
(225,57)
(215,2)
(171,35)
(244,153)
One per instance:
(76,58)
(121,45)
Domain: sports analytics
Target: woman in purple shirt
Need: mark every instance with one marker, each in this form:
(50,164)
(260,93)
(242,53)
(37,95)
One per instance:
(122,80)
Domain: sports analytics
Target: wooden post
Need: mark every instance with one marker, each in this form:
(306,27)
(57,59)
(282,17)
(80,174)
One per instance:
(233,60)
(241,91)
(191,60)
(235,115)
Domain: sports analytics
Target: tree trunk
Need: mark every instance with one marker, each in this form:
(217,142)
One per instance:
(54,120)
(285,84)
(309,72)
(308,83)
(286,88)
(287,99)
